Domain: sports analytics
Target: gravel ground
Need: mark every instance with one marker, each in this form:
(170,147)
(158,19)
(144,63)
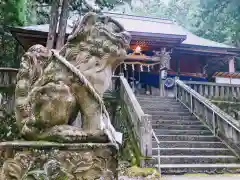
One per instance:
(202,177)
(189,177)
(139,178)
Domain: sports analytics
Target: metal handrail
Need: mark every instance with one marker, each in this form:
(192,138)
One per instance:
(158,145)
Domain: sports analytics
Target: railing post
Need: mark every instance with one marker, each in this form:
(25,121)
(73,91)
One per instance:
(211,91)
(227,93)
(216,95)
(222,92)
(159,151)
(176,91)
(176,88)
(214,123)
(201,89)
(191,101)
(234,94)
(146,137)
(206,91)
(159,159)
(238,90)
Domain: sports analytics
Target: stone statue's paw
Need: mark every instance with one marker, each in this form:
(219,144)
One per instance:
(72,134)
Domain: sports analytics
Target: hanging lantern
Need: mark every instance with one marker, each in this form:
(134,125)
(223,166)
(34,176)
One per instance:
(148,68)
(133,67)
(125,67)
(141,68)
(138,50)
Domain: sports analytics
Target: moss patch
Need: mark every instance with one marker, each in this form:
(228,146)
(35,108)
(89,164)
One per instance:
(230,107)
(131,150)
(135,171)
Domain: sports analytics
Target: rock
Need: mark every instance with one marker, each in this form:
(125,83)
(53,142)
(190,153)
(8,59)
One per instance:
(137,173)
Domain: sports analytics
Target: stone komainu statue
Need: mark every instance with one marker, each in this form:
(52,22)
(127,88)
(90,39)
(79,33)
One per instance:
(52,87)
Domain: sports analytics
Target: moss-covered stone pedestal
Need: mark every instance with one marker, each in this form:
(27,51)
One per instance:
(27,160)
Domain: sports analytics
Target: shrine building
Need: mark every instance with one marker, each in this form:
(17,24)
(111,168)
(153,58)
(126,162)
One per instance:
(156,42)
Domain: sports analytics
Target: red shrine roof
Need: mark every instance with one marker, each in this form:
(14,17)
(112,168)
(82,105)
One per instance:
(147,27)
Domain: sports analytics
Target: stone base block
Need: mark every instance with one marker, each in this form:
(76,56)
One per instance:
(25,160)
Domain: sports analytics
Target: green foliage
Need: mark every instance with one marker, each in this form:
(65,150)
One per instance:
(76,7)
(146,8)
(12,13)
(183,12)
(130,150)
(8,130)
(24,12)
(217,20)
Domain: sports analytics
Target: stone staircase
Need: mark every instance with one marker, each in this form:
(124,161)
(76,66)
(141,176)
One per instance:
(186,144)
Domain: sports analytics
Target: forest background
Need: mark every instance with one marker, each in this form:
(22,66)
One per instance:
(218,20)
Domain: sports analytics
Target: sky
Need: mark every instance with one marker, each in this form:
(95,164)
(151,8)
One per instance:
(165,1)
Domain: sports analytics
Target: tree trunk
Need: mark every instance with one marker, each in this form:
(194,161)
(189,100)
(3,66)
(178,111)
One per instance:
(63,24)
(16,56)
(53,24)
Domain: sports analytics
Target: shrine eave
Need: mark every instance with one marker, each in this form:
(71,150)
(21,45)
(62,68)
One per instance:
(154,32)
(205,50)
(151,38)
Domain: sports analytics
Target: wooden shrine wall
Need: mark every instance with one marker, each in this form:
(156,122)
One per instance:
(188,63)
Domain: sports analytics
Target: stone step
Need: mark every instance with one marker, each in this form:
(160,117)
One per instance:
(178,122)
(156,97)
(182,132)
(164,105)
(153,96)
(172,117)
(168,113)
(188,144)
(164,109)
(202,159)
(159,102)
(187,138)
(191,151)
(179,127)
(217,168)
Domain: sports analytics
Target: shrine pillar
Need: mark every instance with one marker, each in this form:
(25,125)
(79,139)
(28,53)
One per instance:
(231,65)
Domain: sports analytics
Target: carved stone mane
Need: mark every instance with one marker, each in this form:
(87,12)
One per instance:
(96,46)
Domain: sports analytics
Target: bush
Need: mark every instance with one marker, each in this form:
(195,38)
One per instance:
(8,130)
